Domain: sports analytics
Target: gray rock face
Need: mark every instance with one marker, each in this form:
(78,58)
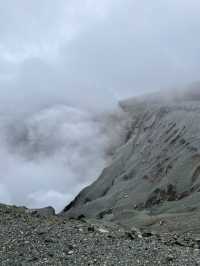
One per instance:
(42,212)
(154,178)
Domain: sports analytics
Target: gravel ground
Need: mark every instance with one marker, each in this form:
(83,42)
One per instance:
(28,238)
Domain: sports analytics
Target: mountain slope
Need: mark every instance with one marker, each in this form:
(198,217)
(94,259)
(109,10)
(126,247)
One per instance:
(154,178)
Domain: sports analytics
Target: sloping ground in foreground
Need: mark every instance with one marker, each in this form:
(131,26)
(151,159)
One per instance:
(39,238)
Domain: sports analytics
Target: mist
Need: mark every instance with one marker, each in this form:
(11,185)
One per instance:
(64,66)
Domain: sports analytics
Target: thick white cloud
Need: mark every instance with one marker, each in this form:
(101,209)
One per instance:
(49,156)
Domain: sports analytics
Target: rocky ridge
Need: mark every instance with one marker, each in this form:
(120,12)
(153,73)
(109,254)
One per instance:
(154,179)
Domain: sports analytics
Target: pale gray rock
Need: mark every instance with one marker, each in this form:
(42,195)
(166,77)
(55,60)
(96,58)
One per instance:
(154,178)
(42,212)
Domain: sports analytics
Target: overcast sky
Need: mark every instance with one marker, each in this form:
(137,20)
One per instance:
(94,52)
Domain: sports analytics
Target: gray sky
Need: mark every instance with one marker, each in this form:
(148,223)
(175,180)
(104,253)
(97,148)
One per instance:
(94,52)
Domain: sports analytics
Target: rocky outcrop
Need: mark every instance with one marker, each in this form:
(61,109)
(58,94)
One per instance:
(42,212)
(154,178)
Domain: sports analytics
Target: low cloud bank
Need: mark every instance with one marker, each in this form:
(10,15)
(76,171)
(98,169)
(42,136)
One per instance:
(48,156)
